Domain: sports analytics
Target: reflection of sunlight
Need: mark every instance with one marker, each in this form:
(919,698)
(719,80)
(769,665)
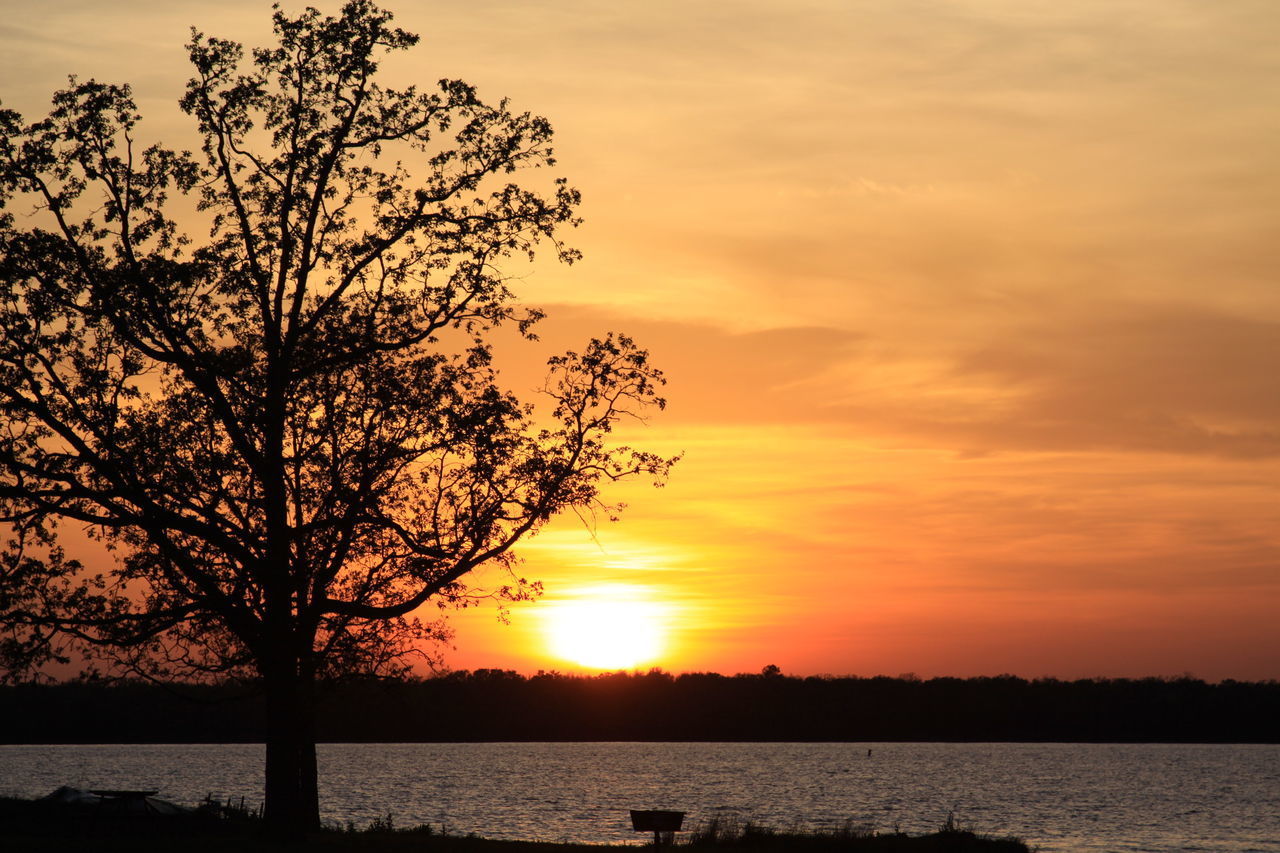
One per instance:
(615,626)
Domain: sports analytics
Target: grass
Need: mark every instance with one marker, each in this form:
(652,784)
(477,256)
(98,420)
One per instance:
(734,837)
(33,827)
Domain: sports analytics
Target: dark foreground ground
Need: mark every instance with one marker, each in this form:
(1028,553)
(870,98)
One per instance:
(32,827)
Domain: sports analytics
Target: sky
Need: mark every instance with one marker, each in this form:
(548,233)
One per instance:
(970,311)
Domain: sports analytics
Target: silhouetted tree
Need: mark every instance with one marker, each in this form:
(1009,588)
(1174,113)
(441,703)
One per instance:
(290,431)
(465,706)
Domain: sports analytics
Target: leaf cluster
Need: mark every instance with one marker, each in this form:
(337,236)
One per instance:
(288,427)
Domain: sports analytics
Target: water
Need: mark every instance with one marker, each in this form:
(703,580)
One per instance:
(1063,798)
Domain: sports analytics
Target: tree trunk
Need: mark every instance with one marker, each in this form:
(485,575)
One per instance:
(292,803)
(309,778)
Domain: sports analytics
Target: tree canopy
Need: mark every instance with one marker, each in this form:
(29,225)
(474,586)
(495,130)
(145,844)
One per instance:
(262,373)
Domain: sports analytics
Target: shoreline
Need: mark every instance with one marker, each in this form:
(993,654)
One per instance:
(36,826)
(660,707)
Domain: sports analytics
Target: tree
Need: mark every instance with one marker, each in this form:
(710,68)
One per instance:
(291,433)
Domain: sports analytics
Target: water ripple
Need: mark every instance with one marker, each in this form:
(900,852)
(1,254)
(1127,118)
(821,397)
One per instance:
(1064,798)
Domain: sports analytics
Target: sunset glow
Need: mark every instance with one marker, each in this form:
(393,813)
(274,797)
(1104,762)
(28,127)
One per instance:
(605,628)
(970,313)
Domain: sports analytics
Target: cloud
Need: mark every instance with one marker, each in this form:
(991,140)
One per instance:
(1086,377)
(1163,378)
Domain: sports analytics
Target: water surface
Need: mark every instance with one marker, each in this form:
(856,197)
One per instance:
(1064,798)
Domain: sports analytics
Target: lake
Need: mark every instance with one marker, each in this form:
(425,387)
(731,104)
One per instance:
(1063,798)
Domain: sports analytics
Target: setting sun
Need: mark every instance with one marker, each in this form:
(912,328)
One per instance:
(613,627)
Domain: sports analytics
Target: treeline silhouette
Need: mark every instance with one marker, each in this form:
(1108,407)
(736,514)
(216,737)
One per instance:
(502,705)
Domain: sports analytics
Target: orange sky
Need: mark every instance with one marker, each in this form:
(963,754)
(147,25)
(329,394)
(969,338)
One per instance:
(970,311)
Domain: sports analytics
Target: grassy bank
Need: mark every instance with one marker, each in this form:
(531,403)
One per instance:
(32,827)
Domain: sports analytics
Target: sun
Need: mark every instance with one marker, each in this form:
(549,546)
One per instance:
(615,627)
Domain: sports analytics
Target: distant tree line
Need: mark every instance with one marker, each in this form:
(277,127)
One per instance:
(502,705)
